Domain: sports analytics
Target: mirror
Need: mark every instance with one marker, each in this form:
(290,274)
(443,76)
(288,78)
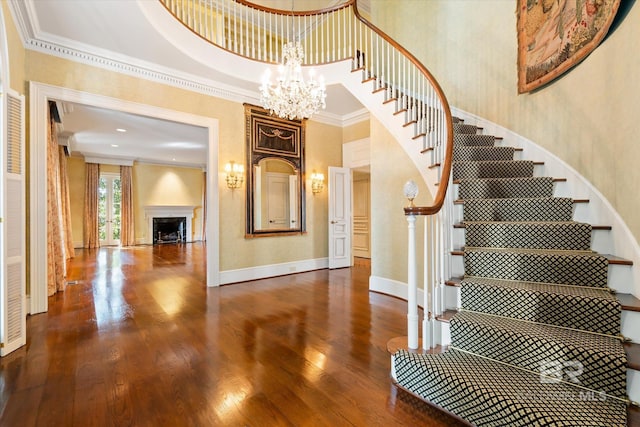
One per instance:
(275,181)
(275,196)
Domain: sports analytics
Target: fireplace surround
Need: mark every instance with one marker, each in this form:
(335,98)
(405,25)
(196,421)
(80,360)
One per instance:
(165,214)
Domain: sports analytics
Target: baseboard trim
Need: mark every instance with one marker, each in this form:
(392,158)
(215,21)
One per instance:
(392,288)
(272,270)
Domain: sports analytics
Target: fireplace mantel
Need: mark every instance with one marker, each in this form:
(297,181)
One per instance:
(168,211)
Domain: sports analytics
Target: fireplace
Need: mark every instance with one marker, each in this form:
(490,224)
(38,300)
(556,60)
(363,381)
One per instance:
(169,229)
(172,221)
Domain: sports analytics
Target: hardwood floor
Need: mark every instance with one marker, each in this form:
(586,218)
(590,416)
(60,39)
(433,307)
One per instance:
(140,341)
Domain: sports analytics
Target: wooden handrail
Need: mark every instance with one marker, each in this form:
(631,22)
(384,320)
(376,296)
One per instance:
(241,27)
(438,200)
(297,12)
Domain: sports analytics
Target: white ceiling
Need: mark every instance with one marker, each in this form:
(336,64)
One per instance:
(108,134)
(120,32)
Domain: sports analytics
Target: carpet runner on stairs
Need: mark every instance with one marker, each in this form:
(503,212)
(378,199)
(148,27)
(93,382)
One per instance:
(536,339)
(492,169)
(584,308)
(501,188)
(540,209)
(567,235)
(487,392)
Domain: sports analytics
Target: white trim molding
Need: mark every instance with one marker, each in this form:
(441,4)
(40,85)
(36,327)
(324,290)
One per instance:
(33,38)
(392,287)
(40,94)
(272,270)
(164,211)
(108,161)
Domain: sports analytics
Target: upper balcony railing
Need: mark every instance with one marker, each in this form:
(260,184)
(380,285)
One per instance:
(336,34)
(330,35)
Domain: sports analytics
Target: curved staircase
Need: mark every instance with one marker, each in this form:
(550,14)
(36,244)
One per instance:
(536,340)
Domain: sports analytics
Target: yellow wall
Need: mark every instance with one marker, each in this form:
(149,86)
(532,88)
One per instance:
(356,131)
(323,147)
(152,185)
(76,175)
(16,52)
(166,185)
(391,167)
(587,117)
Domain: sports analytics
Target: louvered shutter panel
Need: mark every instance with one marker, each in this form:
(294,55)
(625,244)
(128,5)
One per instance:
(12,233)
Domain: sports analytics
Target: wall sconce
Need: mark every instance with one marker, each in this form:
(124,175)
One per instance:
(317,182)
(235,175)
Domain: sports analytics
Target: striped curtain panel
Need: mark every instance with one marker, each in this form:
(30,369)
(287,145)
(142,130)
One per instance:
(65,205)
(127,233)
(90,228)
(56,262)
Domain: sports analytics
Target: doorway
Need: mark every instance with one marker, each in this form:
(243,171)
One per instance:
(109,198)
(40,96)
(361,241)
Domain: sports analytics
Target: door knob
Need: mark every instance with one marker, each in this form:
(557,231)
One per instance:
(334,222)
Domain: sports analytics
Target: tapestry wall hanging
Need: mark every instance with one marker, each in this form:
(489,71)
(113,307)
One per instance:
(555,35)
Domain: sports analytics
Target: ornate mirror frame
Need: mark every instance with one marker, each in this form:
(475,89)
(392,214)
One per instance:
(269,137)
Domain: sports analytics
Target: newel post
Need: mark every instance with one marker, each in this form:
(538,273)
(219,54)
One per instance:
(412,282)
(411,192)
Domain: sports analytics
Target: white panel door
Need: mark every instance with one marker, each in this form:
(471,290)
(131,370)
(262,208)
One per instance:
(339,217)
(277,201)
(12,232)
(361,216)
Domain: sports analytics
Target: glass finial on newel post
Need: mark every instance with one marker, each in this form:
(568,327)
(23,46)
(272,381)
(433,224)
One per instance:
(410,191)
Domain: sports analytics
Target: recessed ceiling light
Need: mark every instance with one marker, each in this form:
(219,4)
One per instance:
(174,159)
(115,145)
(121,130)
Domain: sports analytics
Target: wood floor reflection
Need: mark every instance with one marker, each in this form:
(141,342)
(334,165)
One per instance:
(140,341)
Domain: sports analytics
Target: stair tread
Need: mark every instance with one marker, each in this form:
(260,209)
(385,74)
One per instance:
(473,140)
(446,315)
(614,259)
(541,235)
(549,288)
(628,302)
(569,267)
(611,259)
(473,154)
(633,416)
(633,355)
(549,333)
(461,201)
(459,181)
(492,161)
(550,223)
(477,389)
(538,251)
(530,344)
(463,224)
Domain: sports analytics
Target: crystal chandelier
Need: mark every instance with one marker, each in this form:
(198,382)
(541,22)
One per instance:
(292,97)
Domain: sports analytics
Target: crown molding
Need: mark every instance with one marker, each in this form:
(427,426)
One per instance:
(356,117)
(108,161)
(141,69)
(25,18)
(33,38)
